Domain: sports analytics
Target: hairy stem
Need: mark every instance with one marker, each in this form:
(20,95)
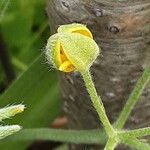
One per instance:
(61,135)
(135,133)
(97,103)
(135,143)
(133,98)
(111,144)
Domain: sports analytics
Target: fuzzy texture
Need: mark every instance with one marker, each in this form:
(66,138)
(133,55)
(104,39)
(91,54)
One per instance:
(8,112)
(67,46)
(8,130)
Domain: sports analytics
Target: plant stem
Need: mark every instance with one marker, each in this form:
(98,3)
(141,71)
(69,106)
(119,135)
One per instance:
(61,135)
(135,143)
(135,133)
(133,98)
(111,144)
(97,103)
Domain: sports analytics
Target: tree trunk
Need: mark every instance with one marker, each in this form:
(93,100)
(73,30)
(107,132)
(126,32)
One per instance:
(121,28)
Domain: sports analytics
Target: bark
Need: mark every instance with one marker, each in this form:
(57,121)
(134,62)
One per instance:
(121,28)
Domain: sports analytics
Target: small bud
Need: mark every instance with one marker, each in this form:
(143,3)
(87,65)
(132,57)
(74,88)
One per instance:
(8,130)
(72,48)
(10,111)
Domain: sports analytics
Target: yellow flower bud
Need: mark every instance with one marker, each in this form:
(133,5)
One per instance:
(72,48)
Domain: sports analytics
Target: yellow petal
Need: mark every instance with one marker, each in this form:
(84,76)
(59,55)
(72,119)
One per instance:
(83,31)
(66,66)
(57,53)
(76,28)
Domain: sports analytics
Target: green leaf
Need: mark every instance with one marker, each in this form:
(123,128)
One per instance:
(37,89)
(30,51)
(67,136)
(16,32)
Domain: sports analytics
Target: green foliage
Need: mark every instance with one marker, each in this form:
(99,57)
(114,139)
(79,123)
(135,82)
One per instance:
(22,27)
(3,7)
(40,97)
(24,30)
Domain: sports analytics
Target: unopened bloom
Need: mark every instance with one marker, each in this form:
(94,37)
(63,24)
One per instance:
(10,111)
(72,48)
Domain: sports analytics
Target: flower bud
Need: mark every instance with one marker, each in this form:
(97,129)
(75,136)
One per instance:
(10,111)
(72,48)
(8,130)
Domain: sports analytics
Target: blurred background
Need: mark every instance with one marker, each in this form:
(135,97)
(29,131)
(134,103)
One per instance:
(25,76)
(24,31)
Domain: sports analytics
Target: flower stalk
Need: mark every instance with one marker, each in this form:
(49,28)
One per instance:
(97,103)
(111,144)
(135,133)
